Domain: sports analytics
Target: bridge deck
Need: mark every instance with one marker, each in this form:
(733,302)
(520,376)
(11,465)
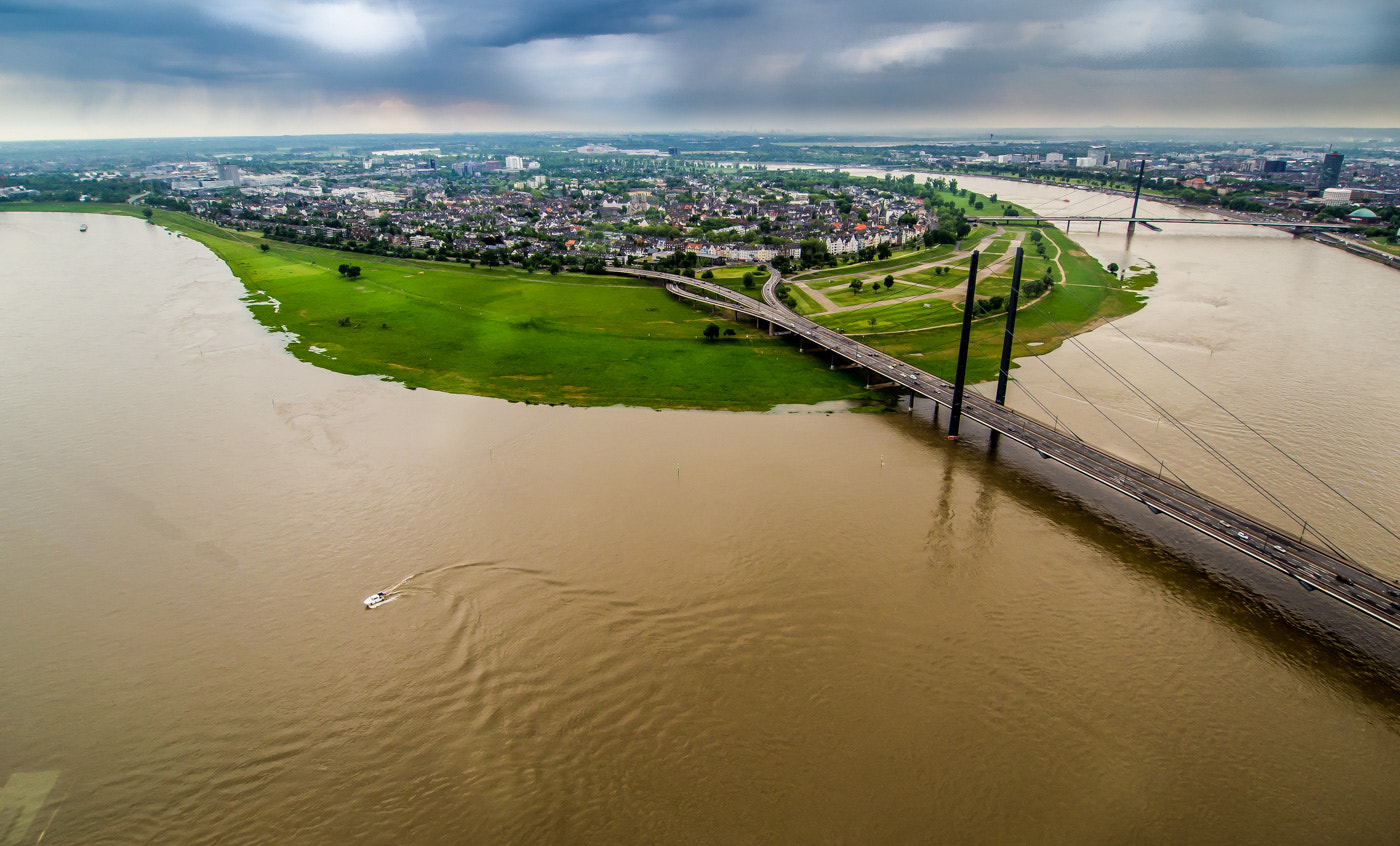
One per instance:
(1313,567)
(1041,218)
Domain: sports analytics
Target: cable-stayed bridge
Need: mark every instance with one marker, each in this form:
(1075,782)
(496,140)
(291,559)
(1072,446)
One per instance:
(1314,563)
(1155,222)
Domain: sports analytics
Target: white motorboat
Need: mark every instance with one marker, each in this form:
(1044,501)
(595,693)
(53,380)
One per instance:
(378,599)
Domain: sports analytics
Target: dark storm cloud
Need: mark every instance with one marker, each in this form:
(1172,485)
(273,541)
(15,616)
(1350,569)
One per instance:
(673,62)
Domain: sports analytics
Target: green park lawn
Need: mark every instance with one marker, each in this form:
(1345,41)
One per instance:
(733,279)
(873,293)
(895,317)
(604,340)
(805,304)
(571,338)
(1092,296)
(899,261)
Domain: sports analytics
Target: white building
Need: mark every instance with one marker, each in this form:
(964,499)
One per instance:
(515,163)
(1336,196)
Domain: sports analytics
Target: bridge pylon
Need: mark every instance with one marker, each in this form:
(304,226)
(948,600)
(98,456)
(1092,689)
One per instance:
(955,411)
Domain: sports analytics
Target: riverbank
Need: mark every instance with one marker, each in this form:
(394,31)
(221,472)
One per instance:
(503,332)
(578,339)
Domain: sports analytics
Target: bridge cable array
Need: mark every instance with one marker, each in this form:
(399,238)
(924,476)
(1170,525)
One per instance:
(1280,450)
(1058,423)
(1160,462)
(1185,429)
(1203,443)
(1109,202)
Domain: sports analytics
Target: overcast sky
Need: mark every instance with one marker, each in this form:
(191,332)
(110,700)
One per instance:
(136,68)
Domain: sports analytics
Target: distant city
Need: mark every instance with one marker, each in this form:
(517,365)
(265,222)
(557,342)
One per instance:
(549,201)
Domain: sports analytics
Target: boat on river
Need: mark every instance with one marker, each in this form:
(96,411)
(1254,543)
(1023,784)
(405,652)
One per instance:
(378,599)
(82,227)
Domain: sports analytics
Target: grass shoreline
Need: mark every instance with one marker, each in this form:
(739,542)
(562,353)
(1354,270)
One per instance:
(530,337)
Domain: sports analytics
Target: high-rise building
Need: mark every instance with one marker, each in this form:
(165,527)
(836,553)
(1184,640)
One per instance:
(1275,165)
(1099,153)
(231,173)
(1331,171)
(515,163)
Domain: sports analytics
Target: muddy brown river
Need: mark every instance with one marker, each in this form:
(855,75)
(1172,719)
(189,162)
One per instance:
(618,625)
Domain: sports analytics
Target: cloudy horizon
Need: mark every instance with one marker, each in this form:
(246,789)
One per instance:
(94,69)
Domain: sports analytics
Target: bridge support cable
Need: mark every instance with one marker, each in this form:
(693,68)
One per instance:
(955,411)
(1280,450)
(1161,464)
(1190,433)
(1105,204)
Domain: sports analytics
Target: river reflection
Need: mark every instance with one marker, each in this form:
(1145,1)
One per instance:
(630,626)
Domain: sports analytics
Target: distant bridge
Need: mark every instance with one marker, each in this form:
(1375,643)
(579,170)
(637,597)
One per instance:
(1314,567)
(1153,222)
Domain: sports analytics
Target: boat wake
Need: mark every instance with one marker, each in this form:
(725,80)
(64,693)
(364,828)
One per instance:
(406,585)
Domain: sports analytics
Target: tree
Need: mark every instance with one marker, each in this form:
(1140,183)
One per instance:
(748,280)
(856,285)
(1113,267)
(883,251)
(814,252)
(264,247)
(711,332)
(889,282)
(708,274)
(1048,278)
(352,271)
(729,333)
(148,213)
(344,268)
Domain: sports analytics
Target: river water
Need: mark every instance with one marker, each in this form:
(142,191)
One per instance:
(626,626)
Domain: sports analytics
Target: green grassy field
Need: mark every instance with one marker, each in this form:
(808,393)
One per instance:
(1094,295)
(733,279)
(1383,245)
(603,340)
(871,293)
(899,261)
(805,304)
(581,340)
(893,317)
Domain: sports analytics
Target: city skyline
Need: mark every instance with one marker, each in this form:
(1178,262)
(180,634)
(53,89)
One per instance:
(84,69)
